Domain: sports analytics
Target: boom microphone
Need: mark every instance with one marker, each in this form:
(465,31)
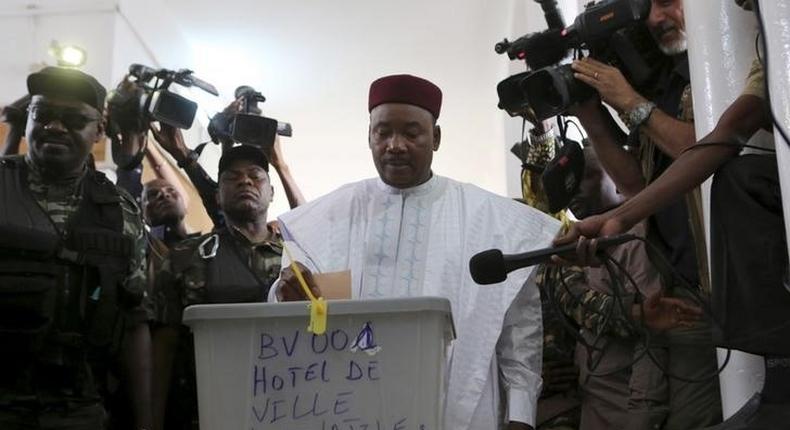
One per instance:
(491,266)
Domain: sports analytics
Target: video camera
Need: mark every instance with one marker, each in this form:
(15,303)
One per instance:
(248,126)
(611,31)
(148,98)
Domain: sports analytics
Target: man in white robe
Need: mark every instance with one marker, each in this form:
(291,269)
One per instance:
(410,232)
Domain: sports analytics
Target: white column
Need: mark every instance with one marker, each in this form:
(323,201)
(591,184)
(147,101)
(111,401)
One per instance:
(776,17)
(721,48)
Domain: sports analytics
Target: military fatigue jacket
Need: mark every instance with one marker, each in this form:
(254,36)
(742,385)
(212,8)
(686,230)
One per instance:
(61,199)
(220,267)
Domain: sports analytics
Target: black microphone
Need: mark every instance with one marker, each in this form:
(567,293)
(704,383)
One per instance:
(539,50)
(491,266)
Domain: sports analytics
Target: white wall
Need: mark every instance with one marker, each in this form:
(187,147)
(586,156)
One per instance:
(314,61)
(27,34)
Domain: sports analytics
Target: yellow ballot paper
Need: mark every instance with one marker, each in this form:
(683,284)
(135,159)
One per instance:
(317,306)
(334,285)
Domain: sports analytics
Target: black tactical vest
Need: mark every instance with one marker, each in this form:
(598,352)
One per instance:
(59,293)
(229,279)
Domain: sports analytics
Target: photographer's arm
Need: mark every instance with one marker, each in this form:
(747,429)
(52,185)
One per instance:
(292,191)
(164,170)
(608,139)
(12,140)
(172,141)
(737,124)
(130,169)
(15,116)
(742,119)
(671,135)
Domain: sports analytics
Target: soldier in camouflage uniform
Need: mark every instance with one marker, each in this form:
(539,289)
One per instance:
(233,264)
(72,259)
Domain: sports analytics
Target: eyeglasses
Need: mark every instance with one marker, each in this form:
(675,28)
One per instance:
(70,118)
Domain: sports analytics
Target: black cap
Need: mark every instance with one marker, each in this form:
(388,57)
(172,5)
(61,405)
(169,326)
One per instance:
(243,152)
(67,83)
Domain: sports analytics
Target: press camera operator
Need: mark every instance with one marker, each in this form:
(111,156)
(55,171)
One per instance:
(174,394)
(661,125)
(748,249)
(172,140)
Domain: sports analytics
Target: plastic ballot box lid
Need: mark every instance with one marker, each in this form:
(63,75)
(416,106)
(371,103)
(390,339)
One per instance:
(380,365)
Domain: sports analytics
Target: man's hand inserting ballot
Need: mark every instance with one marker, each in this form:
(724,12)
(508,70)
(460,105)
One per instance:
(290,290)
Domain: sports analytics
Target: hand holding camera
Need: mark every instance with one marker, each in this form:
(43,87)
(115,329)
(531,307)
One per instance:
(610,83)
(611,31)
(242,122)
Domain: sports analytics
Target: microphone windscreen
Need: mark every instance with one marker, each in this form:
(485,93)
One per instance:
(546,49)
(488,267)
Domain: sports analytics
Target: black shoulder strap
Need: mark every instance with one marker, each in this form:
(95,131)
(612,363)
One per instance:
(182,254)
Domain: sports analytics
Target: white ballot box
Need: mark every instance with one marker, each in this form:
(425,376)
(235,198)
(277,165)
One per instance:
(381,365)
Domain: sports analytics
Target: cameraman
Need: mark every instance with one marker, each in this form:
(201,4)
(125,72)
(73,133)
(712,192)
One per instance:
(749,251)
(186,270)
(172,141)
(660,123)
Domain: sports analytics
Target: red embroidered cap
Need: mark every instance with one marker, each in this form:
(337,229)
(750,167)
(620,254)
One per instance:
(406,89)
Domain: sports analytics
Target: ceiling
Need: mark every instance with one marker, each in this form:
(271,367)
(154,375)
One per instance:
(29,7)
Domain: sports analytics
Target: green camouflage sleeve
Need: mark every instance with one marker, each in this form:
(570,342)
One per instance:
(167,303)
(595,311)
(135,282)
(179,283)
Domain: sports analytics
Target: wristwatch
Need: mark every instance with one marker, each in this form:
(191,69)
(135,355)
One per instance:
(638,115)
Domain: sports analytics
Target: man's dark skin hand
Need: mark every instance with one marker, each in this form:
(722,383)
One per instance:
(610,83)
(745,116)
(171,140)
(290,290)
(559,376)
(130,137)
(15,116)
(661,313)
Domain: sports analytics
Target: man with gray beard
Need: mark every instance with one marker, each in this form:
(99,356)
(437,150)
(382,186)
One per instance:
(660,123)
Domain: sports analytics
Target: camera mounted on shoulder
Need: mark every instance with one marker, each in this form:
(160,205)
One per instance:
(142,97)
(247,125)
(150,98)
(611,31)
